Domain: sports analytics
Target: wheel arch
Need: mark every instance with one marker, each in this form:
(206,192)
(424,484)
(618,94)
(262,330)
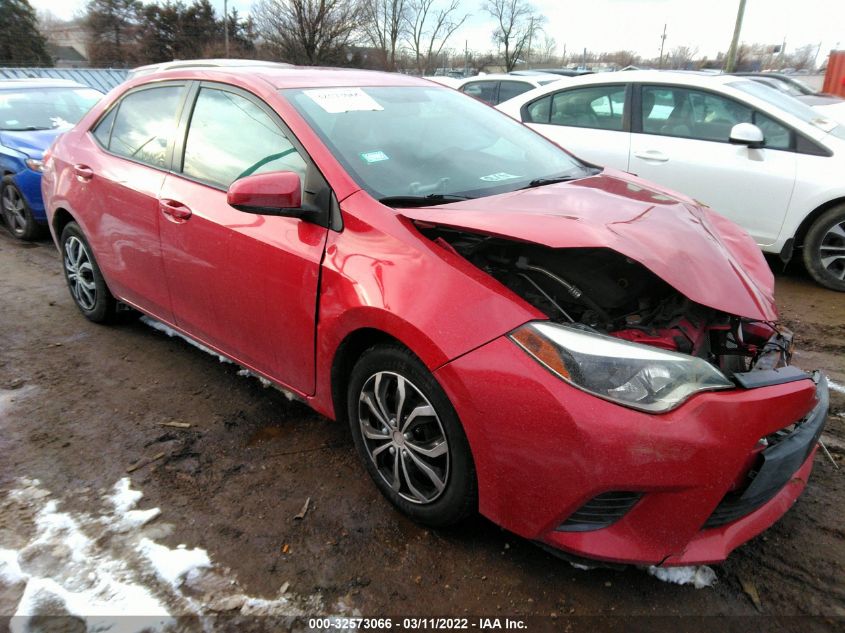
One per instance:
(350,349)
(61,218)
(816,213)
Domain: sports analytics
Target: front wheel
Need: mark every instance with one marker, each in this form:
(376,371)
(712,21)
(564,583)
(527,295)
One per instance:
(824,249)
(409,437)
(16,212)
(84,279)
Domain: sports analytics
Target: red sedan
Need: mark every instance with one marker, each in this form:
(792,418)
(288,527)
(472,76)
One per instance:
(587,359)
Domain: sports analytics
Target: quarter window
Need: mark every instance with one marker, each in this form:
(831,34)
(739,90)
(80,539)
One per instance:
(231,137)
(599,107)
(145,125)
(671,111)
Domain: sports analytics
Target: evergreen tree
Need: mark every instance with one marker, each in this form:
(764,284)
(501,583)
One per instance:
(21,44)
(114,30)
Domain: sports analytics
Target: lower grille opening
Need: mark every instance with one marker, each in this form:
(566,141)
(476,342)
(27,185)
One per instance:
(600,511)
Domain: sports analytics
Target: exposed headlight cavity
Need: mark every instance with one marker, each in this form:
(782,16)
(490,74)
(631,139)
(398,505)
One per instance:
(630,374)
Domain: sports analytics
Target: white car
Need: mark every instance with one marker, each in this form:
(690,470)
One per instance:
(498,88)
(768,162)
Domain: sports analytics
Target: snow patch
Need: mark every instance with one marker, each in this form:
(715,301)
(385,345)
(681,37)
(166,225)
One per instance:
(245,373)
(833,386)
(700,576)
(10,570)
(173,565)
(161,327)
(97,567)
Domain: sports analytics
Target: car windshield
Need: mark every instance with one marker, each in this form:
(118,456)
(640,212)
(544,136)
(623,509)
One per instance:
(791,105)
(429,141)
(44,108)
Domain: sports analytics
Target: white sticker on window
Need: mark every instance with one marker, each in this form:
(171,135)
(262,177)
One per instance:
(502,175)
(336,100)
(374,157)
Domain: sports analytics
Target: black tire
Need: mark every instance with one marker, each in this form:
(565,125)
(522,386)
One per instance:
(826,238)
(98,306)
(20,222)
(459,497)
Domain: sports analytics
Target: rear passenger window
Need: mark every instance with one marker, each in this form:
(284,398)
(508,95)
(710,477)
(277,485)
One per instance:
(599,107)
(231,137)
(145,125)
(482,90)
(511,89)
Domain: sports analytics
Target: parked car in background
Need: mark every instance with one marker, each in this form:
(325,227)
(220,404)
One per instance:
(563,72)
(444,80)
(759,157)
(33,112)
(497,88)
(587,359)
(830,106)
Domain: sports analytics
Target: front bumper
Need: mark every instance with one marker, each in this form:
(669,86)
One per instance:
(543,449)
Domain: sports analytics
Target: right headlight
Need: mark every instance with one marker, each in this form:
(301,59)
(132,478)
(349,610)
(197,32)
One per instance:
(631,374)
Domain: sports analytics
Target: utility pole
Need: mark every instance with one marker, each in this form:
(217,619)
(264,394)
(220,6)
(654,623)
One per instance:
(730,62)
(662,43)
(226,26)
(466,58)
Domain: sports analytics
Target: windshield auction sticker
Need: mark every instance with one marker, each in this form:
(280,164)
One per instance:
(337,100)
(498,177)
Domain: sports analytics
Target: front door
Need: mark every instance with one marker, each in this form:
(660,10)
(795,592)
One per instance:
(682,143)
(246,284)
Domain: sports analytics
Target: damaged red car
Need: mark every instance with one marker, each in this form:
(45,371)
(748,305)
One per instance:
(587,359)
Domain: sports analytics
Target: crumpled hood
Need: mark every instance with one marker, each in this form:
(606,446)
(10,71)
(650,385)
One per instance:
(701,254)
(33,143)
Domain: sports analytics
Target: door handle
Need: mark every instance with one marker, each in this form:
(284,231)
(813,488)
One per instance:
(174,211)
(83,172)
(653,155)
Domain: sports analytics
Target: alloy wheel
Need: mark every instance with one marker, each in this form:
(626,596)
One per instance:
(14,210)
(404,437)
(80,273)
(832,251)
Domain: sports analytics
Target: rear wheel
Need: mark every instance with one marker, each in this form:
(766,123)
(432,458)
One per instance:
(84,279)
(16,212)
(409,437)
(824,249)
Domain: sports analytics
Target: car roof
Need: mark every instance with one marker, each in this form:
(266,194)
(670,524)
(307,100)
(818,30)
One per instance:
(35,83)
(689,77)
(284,76)
(531,79)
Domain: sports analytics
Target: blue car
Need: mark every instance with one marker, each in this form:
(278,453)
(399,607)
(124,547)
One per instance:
(33,112)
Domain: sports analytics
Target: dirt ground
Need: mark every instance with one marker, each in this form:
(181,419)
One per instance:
(79,403)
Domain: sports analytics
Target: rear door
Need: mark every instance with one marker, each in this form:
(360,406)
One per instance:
(592,122)
(121,185)
(680,140)
(243,283)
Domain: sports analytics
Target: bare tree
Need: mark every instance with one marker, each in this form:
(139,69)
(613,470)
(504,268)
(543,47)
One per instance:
(804,58)
(429,28)
(517,22)
(547,50)
(307,32)
(681,57)
(384,25)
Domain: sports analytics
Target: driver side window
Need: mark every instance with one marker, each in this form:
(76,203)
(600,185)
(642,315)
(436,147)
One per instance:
(231,137)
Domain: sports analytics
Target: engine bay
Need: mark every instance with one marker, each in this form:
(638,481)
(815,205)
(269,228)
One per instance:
(606,292)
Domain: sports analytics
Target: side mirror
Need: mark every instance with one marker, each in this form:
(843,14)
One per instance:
(274,193)
(747,134)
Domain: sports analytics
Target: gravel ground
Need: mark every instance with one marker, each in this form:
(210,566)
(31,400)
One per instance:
(80,403)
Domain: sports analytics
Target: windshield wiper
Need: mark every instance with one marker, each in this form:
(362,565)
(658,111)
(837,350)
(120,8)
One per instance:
(422,201)
(542,182)
(31,128)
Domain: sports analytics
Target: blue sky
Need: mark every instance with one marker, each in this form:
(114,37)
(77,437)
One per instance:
(609,25)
